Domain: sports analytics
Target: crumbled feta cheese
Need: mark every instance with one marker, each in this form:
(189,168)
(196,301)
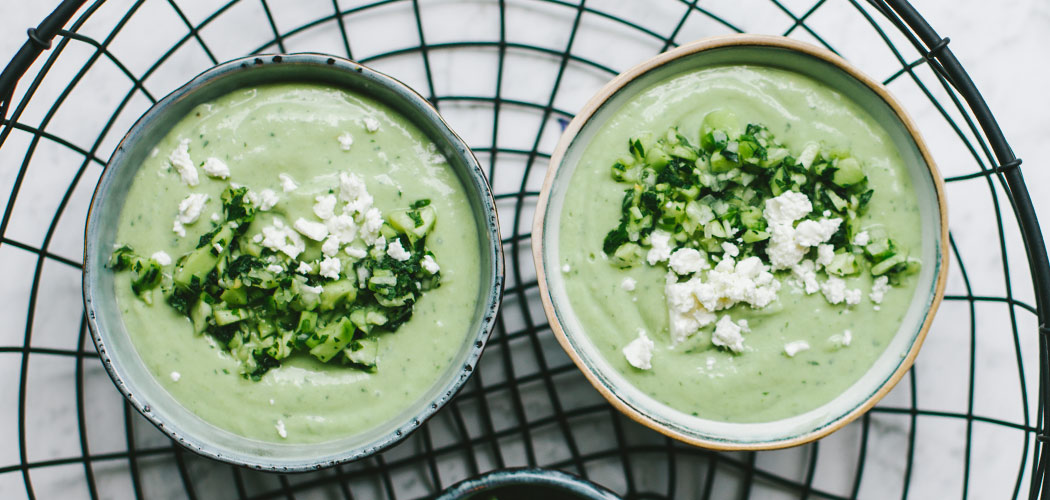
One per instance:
(267,199)
(852,296)
(217,247)
(660,248)
(639,352)
(343,226)
(806,273)
(304,268)
(841,339)
(691,304)
(861,239)
(316,231)
(330,267)
(189,211)
(161,257)
(566,268)
(180,159)
(356,252)
(257,238)
(429,264)
(281,238)
(311,290)
(783,251)
(834,290)
(215,217)
(371,124)
(324,208)
(362,274)
(730,249)
(345,141)
(628,284)
(190,207)
(747,281)
(825,254)
(287,183)
(331,246)
(827,213)
(175,376)
(274,268)
(373,221)
(781,212)
(687,261)
(215,167)
(787,208)
(686,314)
(397,252)
(795,347)
(354,192)
(280,429)
(810,233)
(879,289)
(727,333)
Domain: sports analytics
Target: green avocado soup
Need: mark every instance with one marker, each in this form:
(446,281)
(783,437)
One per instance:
(295,129)
(762,383)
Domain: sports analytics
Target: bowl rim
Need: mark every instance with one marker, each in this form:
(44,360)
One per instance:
(538,476)
(686,50)
(490,293)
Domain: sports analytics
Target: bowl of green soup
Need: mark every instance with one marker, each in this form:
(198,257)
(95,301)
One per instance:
(291,262)
(526,484)
(742,242)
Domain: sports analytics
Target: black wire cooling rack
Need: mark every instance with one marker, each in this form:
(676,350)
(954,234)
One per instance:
(508,74)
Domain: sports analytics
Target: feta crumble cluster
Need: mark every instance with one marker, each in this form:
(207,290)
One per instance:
(353,230)
(692,304)
(639,352)
(695,291)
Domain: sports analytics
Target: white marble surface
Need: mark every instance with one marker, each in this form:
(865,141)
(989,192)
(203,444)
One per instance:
(1002,46)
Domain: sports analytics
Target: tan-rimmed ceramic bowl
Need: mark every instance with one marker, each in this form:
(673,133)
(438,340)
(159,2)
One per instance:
(899,354)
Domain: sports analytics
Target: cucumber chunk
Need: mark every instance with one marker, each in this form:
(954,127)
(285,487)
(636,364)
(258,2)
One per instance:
(336,336)
(416,223)
(364,352)
(847,172)
(224,316)
(337,293)
(307,323)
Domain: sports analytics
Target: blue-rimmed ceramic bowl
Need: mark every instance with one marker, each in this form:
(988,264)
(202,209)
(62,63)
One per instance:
(111,338)
(527,484)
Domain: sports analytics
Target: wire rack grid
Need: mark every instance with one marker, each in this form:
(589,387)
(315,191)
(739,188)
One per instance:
(508,75)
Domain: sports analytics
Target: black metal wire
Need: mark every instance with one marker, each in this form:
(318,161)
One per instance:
(977,131)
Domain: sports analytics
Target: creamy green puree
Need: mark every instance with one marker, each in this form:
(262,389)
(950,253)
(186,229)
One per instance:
(762,383)
(293,129)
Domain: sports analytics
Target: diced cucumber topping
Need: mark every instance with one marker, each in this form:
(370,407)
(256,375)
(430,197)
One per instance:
(254,300)
(715,193)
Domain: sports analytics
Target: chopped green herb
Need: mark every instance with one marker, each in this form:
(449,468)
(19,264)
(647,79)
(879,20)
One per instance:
(231,288)
(715,192)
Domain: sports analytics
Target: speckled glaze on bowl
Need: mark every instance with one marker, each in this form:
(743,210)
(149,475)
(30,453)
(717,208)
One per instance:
(545,484)
(111,339)
(822,66)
